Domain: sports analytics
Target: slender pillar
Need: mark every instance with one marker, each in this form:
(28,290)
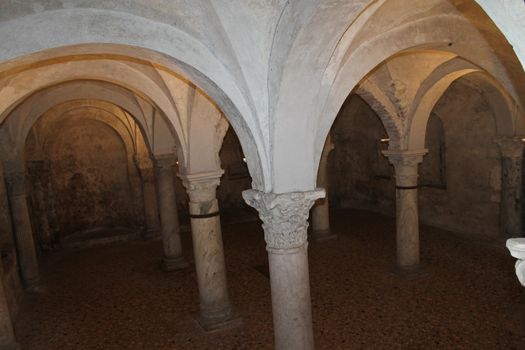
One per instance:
(511,148)
(25,245)
(149,192)
(321,210)
(169,217)
(215,308)
(407,218)
(7,336)
(285,223)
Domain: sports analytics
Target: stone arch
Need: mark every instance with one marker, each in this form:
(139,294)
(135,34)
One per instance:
(342,73)
(25,114)
(508,118)
(126,59)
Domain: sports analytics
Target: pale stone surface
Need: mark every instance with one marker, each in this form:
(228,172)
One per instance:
(511,148)
(215,309)
(285,223)
(173,258)
(27,258)
(321,210)
(516,247)
(407,220)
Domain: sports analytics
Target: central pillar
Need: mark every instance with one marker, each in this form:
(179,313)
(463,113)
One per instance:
(25,245)
(407,218)
(285,223)
(511,148)
(321,210)
(151,210)
(215,310)
(169,216)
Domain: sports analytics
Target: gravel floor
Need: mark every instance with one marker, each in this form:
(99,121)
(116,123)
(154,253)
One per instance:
(116,297)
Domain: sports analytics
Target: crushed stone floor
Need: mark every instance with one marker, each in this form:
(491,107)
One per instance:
(116,297)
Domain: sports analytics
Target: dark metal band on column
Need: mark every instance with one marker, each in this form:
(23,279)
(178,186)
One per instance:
(407,187)
(204,216)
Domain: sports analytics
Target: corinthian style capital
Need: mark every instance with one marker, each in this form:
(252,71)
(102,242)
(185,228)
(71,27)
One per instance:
(165,161)
(405,164)
(510,146)
(201,187)
(516,247)
(284,216)
(16,183)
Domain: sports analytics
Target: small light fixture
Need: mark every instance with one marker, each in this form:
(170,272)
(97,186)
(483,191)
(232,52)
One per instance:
(523,139)
(244,160)
(177,162)
(385,140)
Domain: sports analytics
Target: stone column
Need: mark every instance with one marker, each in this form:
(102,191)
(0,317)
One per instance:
(169,217)
(407,218)
(149,192)
(215,308)
(511,148)
(7,336)
(25,245)
(285,223)
(321,210)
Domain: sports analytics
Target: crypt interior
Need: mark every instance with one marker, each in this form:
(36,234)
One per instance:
(271,174)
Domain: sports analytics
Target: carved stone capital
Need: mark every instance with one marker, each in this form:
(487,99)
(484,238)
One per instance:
(406,165)
(284,216)
(201,187)
(516,247)
(16,183)
(510,146)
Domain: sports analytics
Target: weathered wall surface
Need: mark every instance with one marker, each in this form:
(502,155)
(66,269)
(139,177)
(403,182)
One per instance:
(465,198)
(87,186)
(470,202)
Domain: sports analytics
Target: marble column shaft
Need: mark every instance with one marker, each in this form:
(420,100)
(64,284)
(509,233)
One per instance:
(215,310)
(7,336)
(169,217)
(321,210)
(285,223)
(407,216)
(27,258)
(511,148)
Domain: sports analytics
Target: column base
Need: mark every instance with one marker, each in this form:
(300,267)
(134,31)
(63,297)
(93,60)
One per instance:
(409,272)
(174,264)
(215,324)
(322,236)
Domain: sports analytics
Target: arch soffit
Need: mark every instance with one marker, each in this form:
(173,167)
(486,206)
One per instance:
(25,115)
(67,113)
(250,144)
(409,38)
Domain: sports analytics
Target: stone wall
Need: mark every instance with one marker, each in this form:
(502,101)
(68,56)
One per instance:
(86,181)
(460,176)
